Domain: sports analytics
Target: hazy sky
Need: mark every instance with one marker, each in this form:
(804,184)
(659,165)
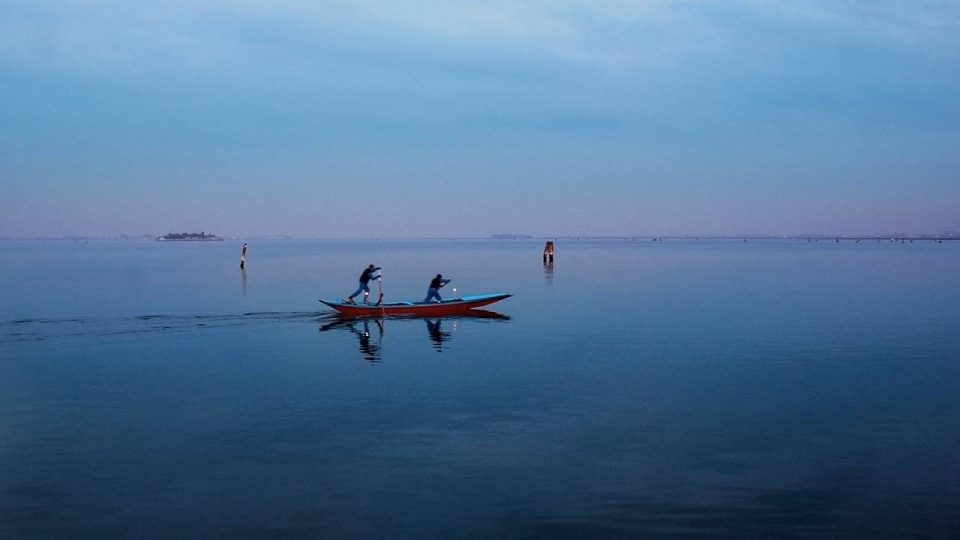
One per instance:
(442,118)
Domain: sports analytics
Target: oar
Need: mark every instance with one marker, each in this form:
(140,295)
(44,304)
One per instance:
(442,285)
(380,287)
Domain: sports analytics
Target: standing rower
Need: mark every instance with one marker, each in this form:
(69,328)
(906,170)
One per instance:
(433,291)
(364,287)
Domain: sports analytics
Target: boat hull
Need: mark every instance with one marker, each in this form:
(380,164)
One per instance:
(416,309)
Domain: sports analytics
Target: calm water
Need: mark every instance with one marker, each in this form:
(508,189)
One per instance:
(634,389)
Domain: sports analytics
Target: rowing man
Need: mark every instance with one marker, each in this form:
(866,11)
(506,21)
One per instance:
(364,287)
(434,290)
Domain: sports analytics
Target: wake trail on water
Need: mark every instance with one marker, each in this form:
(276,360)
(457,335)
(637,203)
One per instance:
(44,329)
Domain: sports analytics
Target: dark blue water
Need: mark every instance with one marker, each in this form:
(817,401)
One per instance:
(634,389)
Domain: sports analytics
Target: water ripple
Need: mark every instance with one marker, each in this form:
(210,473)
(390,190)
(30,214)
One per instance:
(42,329)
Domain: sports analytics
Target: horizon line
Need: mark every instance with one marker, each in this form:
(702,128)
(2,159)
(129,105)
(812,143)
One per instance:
(946,235)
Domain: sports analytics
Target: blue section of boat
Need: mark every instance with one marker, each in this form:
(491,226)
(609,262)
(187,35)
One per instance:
(477,297)
(464,300)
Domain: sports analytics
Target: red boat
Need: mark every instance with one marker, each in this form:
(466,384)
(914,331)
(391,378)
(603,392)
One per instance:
(422,309)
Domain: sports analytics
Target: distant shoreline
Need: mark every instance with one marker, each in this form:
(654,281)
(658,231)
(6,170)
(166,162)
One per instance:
(189,237)
(162,239)
(509,238)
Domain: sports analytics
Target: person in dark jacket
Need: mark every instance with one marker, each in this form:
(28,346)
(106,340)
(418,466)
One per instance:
(434,290)
(364,287)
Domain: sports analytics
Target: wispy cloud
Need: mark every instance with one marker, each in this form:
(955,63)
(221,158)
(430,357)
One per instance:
(607,35)
(77,34)
(930,22)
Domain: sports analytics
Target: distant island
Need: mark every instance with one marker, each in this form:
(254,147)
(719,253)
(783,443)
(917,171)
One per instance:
(189,237)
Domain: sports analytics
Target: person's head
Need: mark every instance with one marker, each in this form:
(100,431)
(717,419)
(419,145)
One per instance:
(439,276)
(371,266)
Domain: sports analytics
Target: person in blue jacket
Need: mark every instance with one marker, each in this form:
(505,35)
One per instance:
(434,290)
(364,287)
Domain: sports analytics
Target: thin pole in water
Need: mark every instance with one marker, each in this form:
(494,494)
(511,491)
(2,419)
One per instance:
(380,287)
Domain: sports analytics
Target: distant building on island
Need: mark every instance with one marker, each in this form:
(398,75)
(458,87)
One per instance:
(189,237)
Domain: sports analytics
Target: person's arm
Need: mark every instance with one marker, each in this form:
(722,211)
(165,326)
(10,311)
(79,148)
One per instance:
(444,282)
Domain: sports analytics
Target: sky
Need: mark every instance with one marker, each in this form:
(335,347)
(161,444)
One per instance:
(369,118)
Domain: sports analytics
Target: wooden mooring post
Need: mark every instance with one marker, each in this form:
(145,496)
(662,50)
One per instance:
(548,253)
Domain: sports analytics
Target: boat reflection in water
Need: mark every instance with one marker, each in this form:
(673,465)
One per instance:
(372,349)
(548,272)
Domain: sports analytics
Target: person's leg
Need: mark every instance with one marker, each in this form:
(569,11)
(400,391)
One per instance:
(356,292)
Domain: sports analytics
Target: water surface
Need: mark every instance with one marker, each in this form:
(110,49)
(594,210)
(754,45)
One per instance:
(632,389)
